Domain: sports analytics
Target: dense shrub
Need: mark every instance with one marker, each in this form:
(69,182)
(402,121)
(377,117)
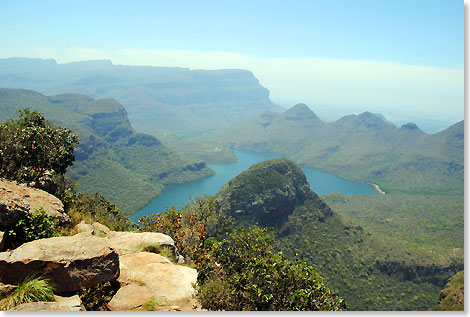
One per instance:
(33,226)
(244,273)
(32,147)
(94,207)
(207,210)
(187,231)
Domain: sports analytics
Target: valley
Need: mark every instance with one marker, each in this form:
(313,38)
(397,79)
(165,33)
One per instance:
(153,137)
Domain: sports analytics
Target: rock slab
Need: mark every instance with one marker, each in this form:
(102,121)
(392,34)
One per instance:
(71,263)
(19,199)
(146,275)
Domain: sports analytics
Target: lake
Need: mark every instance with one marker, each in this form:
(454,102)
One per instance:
(179,195)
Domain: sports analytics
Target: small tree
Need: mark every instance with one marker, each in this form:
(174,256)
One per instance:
(31,146)
(245,273)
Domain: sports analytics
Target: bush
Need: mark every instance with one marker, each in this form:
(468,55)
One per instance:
(94,207)
(187,231)
(244,273)
(207,210)
(31,290)
(34,226)
(32,147)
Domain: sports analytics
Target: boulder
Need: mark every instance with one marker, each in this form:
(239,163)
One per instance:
(130,296)
(82,226)
(129,242)
(73,302)
(71,263)
(98,227)
(12,206)
(18,199)
(157,277)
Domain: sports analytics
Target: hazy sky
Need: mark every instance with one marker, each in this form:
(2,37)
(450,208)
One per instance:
(403,58)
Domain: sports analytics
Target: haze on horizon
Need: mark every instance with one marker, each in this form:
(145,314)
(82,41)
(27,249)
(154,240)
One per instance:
(403,59)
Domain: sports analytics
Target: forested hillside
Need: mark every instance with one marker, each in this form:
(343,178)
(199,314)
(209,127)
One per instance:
(371,270)
(127,167)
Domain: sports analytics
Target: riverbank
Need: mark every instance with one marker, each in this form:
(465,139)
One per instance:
(378,189)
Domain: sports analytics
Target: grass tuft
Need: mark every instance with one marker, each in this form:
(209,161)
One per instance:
(30,290)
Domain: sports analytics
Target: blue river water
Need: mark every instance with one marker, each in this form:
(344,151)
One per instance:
(179,195)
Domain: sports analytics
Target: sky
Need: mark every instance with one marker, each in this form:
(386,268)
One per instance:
(402,58)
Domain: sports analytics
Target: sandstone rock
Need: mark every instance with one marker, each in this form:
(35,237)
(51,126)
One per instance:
(83,227)
(12,207)
(43,306)
(163,279)
(130,296)
(98,227)
(73,302)
(69,262)
(128,242)
(18,199)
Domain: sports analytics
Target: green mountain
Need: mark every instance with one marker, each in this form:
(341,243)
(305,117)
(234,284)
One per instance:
(127,167)
(370,270)
(361,147)
(179,100)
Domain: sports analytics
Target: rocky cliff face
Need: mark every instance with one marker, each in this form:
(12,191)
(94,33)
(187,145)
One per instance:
(266,193)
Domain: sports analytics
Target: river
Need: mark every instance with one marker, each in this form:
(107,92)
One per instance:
(179,195)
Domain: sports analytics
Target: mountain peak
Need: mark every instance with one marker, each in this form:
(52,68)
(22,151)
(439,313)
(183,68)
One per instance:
(266,192)
(299,112)
(410,126)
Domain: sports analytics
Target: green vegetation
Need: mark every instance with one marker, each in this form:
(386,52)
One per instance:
(151,305)
(371,271)
(246,274)
(187,231)
(30,290)
(91,208)
(207,210)
(126,167)
(452,296)
(97,297)
(156,248)
(33,226)
(31,146)
(429,226)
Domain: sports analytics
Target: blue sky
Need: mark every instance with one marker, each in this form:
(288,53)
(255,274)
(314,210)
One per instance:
(413,38)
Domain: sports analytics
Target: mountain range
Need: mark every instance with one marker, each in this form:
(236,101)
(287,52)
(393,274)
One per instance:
(169,99)
(364,147)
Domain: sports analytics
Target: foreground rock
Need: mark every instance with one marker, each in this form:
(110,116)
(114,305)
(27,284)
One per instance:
(130,242)
(18,199)
(148,276)
(71,263)
(46,306)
